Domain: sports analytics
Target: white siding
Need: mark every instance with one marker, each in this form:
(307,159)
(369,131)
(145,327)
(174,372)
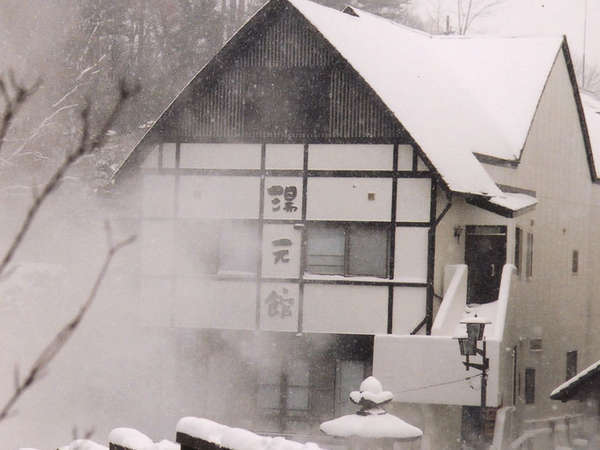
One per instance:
(410,261)
(350,157)
(168,155)
(405,157)
(215,303)
(348,199)
(345,309)
(157,247)
(409,308)
(284,156)
(220,156)
(218,197)
(413,200)
(158,195)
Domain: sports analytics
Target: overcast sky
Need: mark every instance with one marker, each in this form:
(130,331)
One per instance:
(539,17)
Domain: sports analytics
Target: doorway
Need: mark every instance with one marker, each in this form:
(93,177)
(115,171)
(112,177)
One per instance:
(485,256)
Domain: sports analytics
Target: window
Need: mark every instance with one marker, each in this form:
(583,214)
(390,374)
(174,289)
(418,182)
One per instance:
(529,386)
(571,364)
(575,262)
(518,249)
(238,247)
(529,256)
(350,249)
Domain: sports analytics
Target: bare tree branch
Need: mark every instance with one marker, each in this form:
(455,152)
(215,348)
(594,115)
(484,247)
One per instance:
(86,145)
(14,96)
(63,336)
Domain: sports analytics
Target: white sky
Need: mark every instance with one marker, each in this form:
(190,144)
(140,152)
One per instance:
(537,17)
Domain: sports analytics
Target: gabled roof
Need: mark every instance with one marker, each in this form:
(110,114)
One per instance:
(456,96)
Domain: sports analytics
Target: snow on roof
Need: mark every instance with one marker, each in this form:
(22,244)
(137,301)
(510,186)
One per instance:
(455,96)
(513,201)
(371,426)
(591,109)
(561,391)
(236,438)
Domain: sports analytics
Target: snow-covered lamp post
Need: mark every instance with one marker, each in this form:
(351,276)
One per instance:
(372,426)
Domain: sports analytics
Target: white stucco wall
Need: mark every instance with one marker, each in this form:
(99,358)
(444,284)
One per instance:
(284,156)
(348,199)
(350,157)
(219,156)
(345,309)
(218,197)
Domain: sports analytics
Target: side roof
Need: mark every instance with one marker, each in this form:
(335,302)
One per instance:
(455,96)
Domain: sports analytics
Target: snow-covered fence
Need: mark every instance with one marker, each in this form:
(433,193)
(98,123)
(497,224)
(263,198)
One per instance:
(202,434)
(130,439)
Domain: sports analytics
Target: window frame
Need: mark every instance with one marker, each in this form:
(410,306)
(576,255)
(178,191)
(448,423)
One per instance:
(529,256)
(529,386)
(571,364)
(518,256)
(575,262)
(347,230)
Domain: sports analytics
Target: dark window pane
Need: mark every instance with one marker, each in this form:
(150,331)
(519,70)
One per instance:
(529,385)
(518,249)
(367,250)
(529,256)
(571,364)
(575,262)
(325,250)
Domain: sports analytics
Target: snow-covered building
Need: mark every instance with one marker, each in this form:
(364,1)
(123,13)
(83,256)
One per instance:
(331,191)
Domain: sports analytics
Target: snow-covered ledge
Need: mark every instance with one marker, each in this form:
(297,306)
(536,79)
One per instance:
(453,304)
(199,433)
(131,439)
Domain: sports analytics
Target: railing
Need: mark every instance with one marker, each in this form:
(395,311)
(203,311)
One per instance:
(454,301)
(503,428)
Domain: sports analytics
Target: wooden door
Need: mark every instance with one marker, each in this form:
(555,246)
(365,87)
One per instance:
(485,256)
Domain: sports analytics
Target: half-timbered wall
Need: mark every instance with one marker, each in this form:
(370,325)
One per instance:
(227,236)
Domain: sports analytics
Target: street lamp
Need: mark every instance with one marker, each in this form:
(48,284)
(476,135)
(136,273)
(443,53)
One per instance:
(468,347)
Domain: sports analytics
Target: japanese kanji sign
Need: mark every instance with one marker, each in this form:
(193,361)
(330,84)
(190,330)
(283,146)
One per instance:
(283,198)
(279,306)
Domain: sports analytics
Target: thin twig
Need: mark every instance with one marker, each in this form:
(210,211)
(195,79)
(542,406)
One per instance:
(13,101)
(86,145)
(63,336)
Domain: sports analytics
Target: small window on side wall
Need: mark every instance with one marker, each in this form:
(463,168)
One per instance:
(575,262)
(529,256)
(571,364)
(529,386)
(518,249)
